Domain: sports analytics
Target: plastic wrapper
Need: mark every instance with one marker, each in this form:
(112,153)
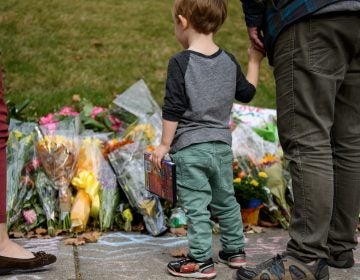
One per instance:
(95,176)
(128,165)
(245,142)
(138,101)
(21,169)
(80,211)
(48,195)
(178,218)
(58,152)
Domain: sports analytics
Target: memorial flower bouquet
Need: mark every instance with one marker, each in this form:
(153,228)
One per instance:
(249,182)
(58,152)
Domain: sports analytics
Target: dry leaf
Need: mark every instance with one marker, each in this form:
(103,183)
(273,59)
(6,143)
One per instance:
(179,252)
(178,231)
(74,241)
(40,231)
(91,237)
(17,234)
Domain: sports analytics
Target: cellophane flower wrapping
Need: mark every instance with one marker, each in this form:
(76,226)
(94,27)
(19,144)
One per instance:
(21,169)
(95,177)
(58,151)
(48,195)
(128,161)
(128,165)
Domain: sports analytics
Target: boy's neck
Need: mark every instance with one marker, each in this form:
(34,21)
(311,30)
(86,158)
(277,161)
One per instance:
(202,43)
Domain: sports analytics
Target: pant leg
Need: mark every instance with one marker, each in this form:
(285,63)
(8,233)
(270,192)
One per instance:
(346,152)
(194,195)
(310,63)
(224,204)
(3,139)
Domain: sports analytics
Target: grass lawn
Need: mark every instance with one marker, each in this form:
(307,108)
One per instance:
(51,50)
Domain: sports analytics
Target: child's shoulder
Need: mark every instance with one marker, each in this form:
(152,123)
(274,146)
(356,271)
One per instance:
(184,54)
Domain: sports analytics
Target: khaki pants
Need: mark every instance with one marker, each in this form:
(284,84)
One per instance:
(205,178)
(317,72)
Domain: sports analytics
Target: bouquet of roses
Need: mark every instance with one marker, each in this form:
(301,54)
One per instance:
(58,152)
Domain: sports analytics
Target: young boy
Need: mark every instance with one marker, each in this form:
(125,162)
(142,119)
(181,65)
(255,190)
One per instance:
(202,82)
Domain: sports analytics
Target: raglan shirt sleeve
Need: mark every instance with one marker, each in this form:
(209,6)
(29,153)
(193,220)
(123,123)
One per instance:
(254,12)
(175,101)
(245,90)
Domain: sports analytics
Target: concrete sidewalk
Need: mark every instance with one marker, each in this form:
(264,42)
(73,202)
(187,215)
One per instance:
(120,255)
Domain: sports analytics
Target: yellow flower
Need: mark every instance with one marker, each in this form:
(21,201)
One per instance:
(254,183)
(263,174)
(18,134)
(237,180)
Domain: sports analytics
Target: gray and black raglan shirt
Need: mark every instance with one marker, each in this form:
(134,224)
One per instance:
(200,91)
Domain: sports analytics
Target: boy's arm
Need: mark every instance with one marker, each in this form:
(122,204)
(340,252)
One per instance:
(175,104)
(253,71)
(246,86)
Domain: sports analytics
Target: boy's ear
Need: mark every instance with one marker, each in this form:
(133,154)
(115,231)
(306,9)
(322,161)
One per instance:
(183,22)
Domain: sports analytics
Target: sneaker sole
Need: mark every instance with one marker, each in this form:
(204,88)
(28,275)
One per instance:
(197,275)
(234,265)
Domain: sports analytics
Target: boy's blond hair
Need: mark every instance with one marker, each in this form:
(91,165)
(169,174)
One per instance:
(205,16)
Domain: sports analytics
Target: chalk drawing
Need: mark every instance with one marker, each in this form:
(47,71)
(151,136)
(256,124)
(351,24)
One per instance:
(119,245)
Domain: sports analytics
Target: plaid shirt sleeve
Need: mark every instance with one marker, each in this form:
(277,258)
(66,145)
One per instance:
(254,11)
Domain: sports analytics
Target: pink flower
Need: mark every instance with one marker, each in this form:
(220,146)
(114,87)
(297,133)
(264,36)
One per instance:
(29,216)
(36,163)
(96,110)
(51,127)
(116,123)
(48,119)
(68,111)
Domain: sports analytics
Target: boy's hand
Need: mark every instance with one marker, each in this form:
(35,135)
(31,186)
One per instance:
(158,154)
(255,55)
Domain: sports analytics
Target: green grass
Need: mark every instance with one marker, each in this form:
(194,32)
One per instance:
(51,49)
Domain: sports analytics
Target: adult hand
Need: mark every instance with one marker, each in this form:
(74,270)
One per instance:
(256,39)
(158,154)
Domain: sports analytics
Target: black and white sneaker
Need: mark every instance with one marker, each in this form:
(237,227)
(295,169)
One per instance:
(190,268)
(233,260)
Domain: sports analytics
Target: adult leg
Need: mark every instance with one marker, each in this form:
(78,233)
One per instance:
(8,248)
(310,65)
(346,152)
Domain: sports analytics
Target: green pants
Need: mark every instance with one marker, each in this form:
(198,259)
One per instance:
(205,178)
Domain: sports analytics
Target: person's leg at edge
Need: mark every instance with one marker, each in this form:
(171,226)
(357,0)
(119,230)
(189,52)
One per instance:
(313,72)
(8,248)
(346,151)
(310,63)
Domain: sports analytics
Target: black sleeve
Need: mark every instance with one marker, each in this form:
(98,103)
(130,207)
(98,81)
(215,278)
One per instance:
(245,91)
(175,102)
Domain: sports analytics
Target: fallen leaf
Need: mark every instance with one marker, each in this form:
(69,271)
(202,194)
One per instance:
(179,252)
(91,237)
(74,241)
(17,234)
(40,231)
